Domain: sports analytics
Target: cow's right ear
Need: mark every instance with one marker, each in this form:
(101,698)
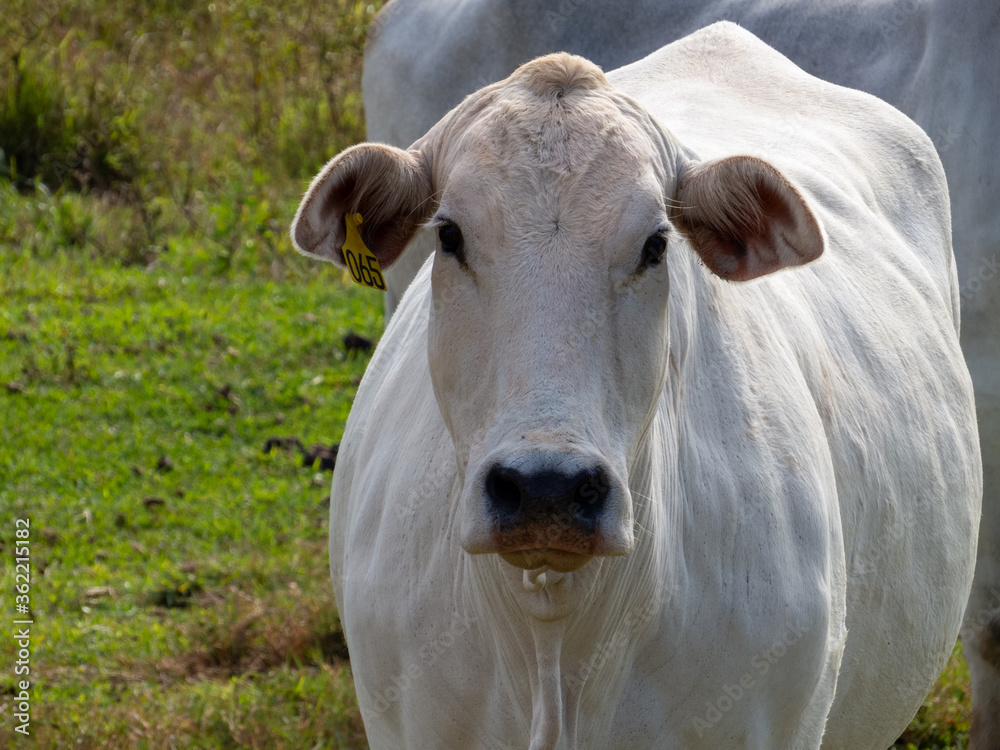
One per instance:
(745,218)
(389,187)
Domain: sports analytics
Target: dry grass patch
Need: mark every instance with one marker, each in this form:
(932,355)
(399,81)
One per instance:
(247,635)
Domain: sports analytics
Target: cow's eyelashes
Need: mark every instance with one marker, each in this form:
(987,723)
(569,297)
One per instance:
(653,250)
(450,237)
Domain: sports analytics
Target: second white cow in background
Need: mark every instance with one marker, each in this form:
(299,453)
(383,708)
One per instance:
(616,480)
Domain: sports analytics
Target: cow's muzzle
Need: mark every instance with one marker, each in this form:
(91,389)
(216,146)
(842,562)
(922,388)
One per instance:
(552,509)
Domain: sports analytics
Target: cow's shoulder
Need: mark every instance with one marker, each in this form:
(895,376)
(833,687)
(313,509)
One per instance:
(867,169)
(390,458)
(725,71)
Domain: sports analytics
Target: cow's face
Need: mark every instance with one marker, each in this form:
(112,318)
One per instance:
(547,340)
(557,204)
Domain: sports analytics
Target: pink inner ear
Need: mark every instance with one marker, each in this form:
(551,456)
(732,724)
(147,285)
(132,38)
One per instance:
(746,220)
(389,187)
(318,229)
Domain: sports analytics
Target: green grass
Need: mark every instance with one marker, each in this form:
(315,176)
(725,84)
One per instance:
(151,306)
(110,369)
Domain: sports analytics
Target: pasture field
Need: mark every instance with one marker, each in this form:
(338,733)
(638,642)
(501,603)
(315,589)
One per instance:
(156,328)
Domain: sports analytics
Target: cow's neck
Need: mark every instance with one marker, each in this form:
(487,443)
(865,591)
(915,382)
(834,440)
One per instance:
(566,643)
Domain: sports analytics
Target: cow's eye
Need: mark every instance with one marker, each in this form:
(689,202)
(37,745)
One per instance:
(652,251)
(451,241)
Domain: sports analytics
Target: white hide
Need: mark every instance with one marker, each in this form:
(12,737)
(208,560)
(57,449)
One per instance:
(803,496)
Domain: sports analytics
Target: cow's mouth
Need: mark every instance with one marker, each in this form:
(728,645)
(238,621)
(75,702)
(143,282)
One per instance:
(555,559)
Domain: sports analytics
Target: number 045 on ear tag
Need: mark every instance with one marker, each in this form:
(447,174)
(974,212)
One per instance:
(361,262)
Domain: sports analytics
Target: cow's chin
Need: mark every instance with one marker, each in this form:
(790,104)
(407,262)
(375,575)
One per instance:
(553,559)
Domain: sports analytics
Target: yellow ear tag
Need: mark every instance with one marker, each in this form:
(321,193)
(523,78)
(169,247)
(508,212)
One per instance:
(361,262)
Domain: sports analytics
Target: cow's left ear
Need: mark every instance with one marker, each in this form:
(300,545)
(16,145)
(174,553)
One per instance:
(390,189)
(745,219)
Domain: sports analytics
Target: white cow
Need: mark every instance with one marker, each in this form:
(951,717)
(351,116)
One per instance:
(613,478)
(936,60)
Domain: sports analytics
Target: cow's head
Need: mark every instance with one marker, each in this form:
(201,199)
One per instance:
(557,203)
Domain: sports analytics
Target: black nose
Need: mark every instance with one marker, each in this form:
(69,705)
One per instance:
(517,497)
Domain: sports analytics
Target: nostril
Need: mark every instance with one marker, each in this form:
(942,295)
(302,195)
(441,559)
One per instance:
(504,492)
(589,496)
(523,498)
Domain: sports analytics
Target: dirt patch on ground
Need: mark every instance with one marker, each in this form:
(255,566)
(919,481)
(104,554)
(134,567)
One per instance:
(255,635)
